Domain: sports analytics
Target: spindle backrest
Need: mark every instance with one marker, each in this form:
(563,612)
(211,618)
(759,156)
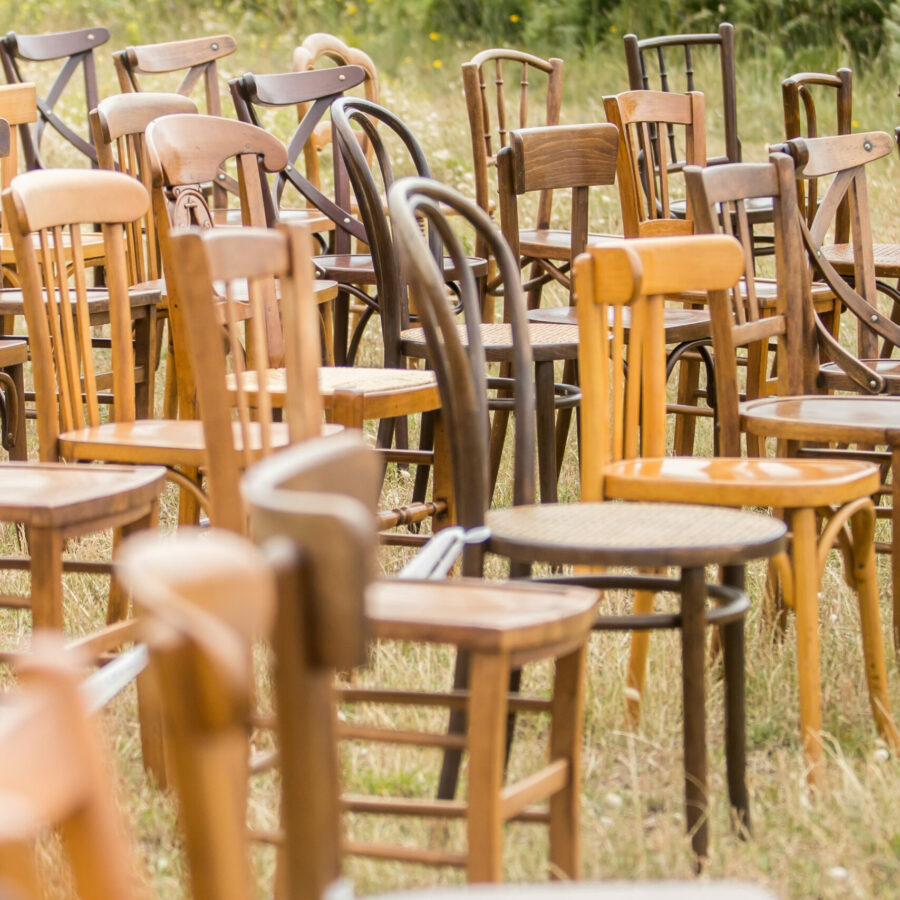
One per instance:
(802,88)
(226,280)
(119,125)
(54,774)
(845,157)
(457,355)
(203,598)
(46,212)
(623,381)
(494,114)
(644,75)
(720,196)
(646,190)
(575,157)
(76,48)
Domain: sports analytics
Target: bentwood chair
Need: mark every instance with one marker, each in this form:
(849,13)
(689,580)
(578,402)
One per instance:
(76,49)
(198,59)
(587,533)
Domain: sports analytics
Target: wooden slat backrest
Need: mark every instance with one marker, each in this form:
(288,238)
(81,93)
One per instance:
(623,382)
(641,72)
(76,48)
(54,774)
(459,365)
(845,157)
(224,279)
(46,211)
(118,125)
(315,49)
(720,195)
(799,89)
(646,191)
(575,157)
(493,114)
(18,105)
(203,598)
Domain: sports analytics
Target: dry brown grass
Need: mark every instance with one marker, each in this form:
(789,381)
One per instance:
(843,843)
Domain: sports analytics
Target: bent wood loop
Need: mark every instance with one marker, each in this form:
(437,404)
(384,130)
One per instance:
(77,47)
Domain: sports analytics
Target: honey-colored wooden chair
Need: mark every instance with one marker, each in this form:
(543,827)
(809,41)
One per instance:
(76,49)
(838,491)
(587,533)
(198,59)
(118,126)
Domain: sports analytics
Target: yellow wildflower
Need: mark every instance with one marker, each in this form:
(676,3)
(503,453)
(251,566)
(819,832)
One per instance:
(855,124)
(436,64)
(351,9)
(613,29)
(514,17)
(433,36)
(407,59)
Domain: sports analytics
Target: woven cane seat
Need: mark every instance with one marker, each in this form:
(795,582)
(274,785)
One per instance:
(632,534)
(887,259)
(680,324)
(548,341)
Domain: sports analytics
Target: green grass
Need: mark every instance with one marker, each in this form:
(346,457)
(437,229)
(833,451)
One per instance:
(842,843)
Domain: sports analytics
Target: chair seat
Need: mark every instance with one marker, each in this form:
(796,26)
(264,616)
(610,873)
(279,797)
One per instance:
(310,217)
(680,324)
(548,341)
(790,483)
(166,442)
(556,243)
(13,352)
(475,615)
(607,890)
(358,268)
(767,294)
(832,377)
(759,209)
(59,495)
(869,420)
(887,259)
(141,295)
(632,534)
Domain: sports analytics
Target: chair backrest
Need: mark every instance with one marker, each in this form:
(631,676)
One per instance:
(187,151)
(645,74)
(225,280)
(54,774)
(499,86)
(623,382)
(721,196)
(18,105)
(46,211)
(575,157)
(803,88)
(203,598)
(316,49)
(374,122)
(845,157)
(645,190)
(458,358)
(76,49)
(118,126)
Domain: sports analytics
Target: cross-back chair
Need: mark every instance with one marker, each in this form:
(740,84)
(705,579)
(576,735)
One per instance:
(837,490)
(118,125)
(587,533)
(76,49)
(402,339)
(198,59)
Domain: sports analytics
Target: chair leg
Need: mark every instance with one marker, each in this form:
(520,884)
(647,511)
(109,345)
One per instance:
(693,680)
(732,637)
(170,391)
(488,679)
(637,661)
(546,431)
(566,727)
(685,425)
(862,525)
(806,586)
(564,417)
(456,725)
(46,546)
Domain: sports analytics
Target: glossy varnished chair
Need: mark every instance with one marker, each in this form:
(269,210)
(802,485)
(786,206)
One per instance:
(587,533)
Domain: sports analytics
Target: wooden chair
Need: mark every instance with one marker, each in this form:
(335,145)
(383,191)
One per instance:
(839,491)
(587,533)
(76,49)
(118,126)
(44,210)
(199,57)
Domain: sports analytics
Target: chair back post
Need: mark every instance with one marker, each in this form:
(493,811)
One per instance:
(77,48)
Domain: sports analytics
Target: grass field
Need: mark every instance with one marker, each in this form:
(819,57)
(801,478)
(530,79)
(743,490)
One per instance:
(844,843)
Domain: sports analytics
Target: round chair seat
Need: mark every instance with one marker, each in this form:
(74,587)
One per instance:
(791,483)
(475,615)
(556,243)
(358,268)
(680,324)
(887,259)
(834,378)
(633,534)
(548,342)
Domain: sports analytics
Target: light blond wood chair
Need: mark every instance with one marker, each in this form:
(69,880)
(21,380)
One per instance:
(624,456)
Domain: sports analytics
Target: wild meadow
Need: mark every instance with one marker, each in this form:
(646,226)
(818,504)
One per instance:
(841,843)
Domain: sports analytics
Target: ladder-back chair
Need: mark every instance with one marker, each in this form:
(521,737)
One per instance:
(76,49)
